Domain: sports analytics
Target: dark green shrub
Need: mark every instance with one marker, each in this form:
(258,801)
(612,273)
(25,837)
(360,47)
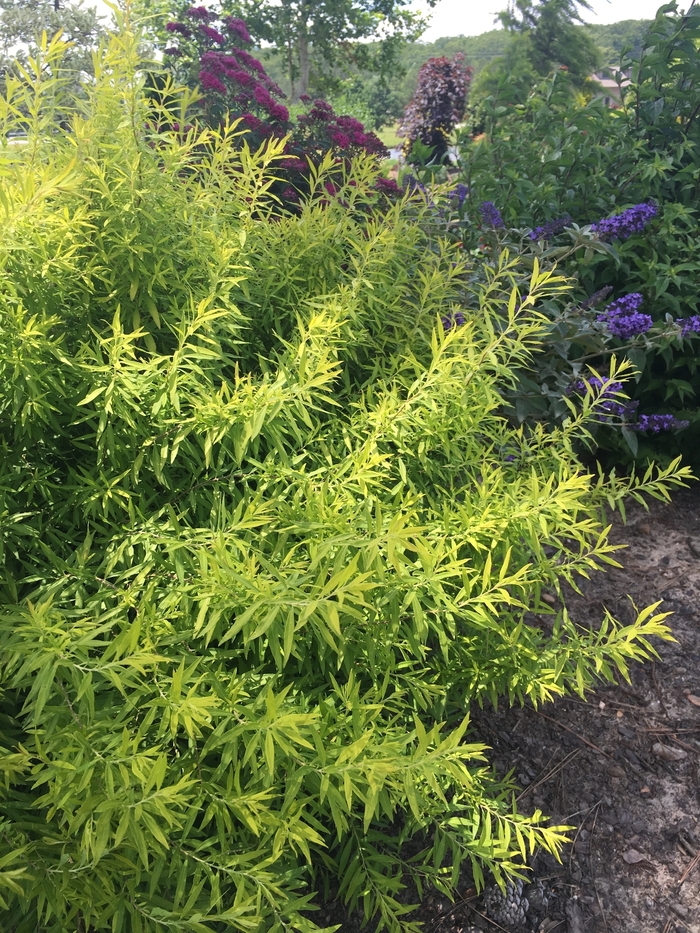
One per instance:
(553,158)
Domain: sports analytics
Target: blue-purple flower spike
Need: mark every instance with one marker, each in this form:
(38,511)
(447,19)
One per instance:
(621,226)
(608,406)
(456,319)
(581,385)
(460,192)
(551,228)
(658,423)
(491,216)
(623,318)
(689,325)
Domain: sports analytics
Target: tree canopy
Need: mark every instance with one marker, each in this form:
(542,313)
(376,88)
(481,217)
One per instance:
(333,32)
(550,26)
(23,21)
(545,34)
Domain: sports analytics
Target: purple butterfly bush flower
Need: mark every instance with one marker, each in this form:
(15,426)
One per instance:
(608,406)
(387,186)
(599,386)
(459,193)
(179,28)
(198,12)
(455,319)
(658,423)
(610,409)
(415,186)
(491,216)
(596,297)
(211,83)
(551,228)
(621,226)
(623,318)
(279,113)
(689,325)
(238,28)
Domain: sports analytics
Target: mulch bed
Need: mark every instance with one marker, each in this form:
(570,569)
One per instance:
(623,767)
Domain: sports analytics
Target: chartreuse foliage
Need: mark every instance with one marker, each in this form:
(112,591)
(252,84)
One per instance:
(266,536)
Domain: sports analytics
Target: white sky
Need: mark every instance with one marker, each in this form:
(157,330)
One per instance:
(472,17)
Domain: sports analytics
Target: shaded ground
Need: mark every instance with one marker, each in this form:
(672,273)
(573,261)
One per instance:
(623,768)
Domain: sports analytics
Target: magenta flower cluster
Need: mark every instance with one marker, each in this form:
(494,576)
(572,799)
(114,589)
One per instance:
(238,29)
(212,34)
(621,226)
(234,83)
(388,186)
(200,12)
(180,29)
(342,132)
(623,318)
(235,73)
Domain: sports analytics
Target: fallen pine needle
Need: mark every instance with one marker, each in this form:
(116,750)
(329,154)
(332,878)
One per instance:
(693,864)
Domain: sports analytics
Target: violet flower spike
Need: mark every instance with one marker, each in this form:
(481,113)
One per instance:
(456,319)
(623,318)
(689,325)
(658,423)
(621,226)
(460,193)
(550,229)
(593,299)
(491,216)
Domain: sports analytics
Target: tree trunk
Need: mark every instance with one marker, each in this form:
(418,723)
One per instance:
(290,69)
(303,62)
(303,47)
(289,42)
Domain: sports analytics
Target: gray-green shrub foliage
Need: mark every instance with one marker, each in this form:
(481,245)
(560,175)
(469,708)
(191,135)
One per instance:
(266,535)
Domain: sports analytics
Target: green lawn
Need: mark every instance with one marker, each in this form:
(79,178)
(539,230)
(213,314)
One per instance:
(389,137)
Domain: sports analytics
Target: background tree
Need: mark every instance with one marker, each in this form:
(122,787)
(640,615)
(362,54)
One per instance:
(550,26)
(329,33)
(437,106)
(508,79)
(23,21)
(545,34)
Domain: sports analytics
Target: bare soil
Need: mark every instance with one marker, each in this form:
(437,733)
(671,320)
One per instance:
(623,768)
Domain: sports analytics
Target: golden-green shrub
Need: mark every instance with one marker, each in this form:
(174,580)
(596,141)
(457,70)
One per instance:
(266,535)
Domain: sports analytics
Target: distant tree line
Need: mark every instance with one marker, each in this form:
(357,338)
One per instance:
(321,47)
(387,100)
(481,51)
